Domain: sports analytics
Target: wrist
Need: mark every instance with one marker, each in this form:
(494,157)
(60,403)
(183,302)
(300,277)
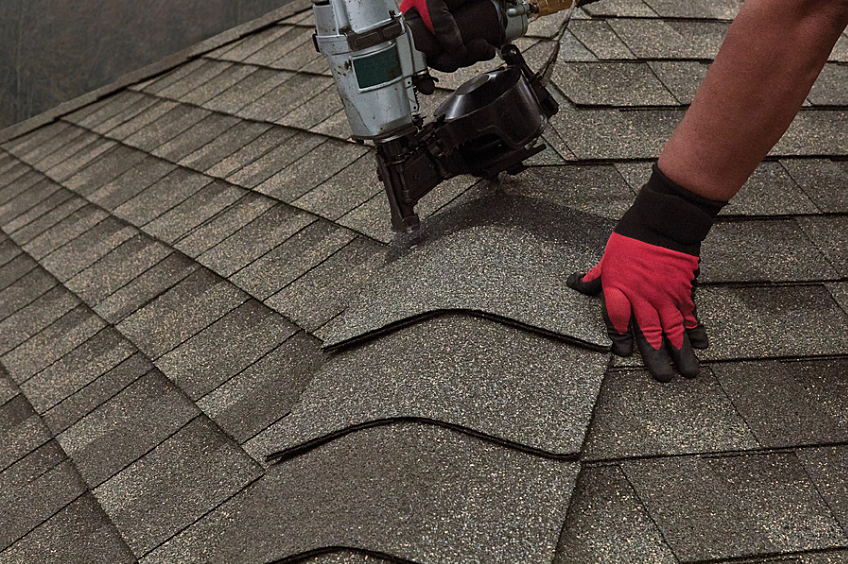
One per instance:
(670,216)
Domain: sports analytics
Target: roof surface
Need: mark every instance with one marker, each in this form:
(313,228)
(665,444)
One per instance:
(177,250)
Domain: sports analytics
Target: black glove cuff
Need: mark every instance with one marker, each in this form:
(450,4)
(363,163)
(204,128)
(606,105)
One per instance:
(670,216)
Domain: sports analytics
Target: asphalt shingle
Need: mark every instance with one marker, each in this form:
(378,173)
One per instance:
(336,496)
(469,374)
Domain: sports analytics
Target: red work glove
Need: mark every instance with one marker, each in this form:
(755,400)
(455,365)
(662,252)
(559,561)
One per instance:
(453,34)
(648,273)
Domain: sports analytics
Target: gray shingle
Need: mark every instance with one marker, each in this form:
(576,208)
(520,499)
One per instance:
(346,190)
(618,8)
(506,256)
(830,235)
(739,505)
(265,391)
(240,50)
(246,91)
(144,287)
(106,168)
(14,269)
(71,166)
(225,348)
(21,431)
(599,134)
(178,482)
(77,369)
(183,311)
(166,127)
(815,133)
(127,426)
(130,183)
(61,133)
(223,146)
(445,496)
(81,532)
(231,75)
(98,112)
(127,113)
(285,40)
(149,115)
(722,10)
(826,467)
(43,349)
(28,504)
(291,259)
(662,39)
(44,222)
(116,269)
(290,146)
(8,249)
(323,292)
(161,196)
(286,97)
(255,239)
(297,59)
(267,142)
(770,191)
(805,404)
(459,371)
(57,198)
(31,319)
(313,111)
(195,210)
(24,291)
(76,406)
(79,143)
(600,39)
(205,71)
(682,78)
(317,165)
(637,417)
(64,231)
(195,137)
(87,249)
(29,193)
(224,224)
(35,139)
(763,251)
(607,523)
(829,88)
(612,84)
(771,321)
(823,181)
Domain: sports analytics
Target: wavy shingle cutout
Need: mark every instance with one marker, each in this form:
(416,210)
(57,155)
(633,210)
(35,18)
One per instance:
(414,493)
(504,257)
(485,379)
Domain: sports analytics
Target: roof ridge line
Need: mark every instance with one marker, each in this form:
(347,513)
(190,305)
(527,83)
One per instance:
(149,71)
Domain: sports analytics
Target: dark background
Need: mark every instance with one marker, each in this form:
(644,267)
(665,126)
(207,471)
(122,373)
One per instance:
(54,50)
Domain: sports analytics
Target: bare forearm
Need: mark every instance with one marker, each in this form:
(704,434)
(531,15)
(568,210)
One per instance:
(772,54)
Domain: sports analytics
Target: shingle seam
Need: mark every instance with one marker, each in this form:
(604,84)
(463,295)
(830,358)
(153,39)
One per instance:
(303,448)
(309,555)
(44,470)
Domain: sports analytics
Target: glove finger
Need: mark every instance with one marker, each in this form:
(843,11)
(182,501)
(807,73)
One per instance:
(684,358)
(698,337)
(481,50)
(656,360)
(622,343)
(617,314)
(577,281)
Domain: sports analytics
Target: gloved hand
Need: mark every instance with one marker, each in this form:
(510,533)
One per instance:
(453,34)
(648,274)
